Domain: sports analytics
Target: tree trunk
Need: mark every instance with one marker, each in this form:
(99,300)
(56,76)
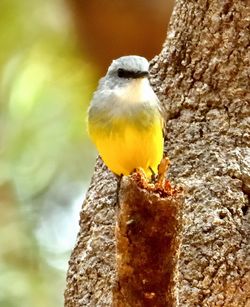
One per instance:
(202,80)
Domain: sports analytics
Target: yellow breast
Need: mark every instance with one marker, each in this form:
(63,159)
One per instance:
(126,126)
(128,146)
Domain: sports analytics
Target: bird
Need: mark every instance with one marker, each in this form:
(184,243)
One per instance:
(125,120)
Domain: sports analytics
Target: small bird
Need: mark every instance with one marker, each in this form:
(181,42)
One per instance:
(124,118)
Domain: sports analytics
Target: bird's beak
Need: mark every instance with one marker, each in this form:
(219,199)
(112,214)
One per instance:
(141,74)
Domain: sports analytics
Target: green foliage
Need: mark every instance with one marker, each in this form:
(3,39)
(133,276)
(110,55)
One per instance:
(45,156)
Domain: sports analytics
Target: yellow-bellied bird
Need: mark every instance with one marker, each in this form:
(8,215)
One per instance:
(124,118)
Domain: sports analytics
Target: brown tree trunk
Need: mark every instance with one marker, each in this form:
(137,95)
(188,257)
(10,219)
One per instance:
(202,80)
(148,233)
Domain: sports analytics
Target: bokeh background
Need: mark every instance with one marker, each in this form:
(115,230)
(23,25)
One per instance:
(52,54)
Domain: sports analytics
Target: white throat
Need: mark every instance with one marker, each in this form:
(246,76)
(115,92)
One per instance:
(136,91)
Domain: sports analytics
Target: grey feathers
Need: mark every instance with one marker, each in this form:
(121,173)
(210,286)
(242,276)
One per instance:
(129,97)
(133,63)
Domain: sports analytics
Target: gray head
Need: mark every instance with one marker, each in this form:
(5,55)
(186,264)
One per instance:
(125,85)
(128,67)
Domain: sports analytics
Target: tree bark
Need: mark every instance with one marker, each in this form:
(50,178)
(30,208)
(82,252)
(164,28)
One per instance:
(91,273)
(148,234)
(202,80)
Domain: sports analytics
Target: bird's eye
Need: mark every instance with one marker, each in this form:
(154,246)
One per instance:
(121,73)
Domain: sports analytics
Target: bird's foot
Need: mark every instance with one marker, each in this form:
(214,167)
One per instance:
(140,177)
(153,175)
(159,183)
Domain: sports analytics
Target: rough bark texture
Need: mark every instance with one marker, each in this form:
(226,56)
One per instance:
(202,80)
(91,267)
(148,233)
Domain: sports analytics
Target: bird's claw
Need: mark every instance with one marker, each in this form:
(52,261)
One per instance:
(160,184)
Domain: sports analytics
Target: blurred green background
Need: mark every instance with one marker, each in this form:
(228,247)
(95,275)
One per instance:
(45,157)
(52,53)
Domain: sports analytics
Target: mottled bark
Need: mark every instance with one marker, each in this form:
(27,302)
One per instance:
(202,80)
(148,233)
(91,267)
